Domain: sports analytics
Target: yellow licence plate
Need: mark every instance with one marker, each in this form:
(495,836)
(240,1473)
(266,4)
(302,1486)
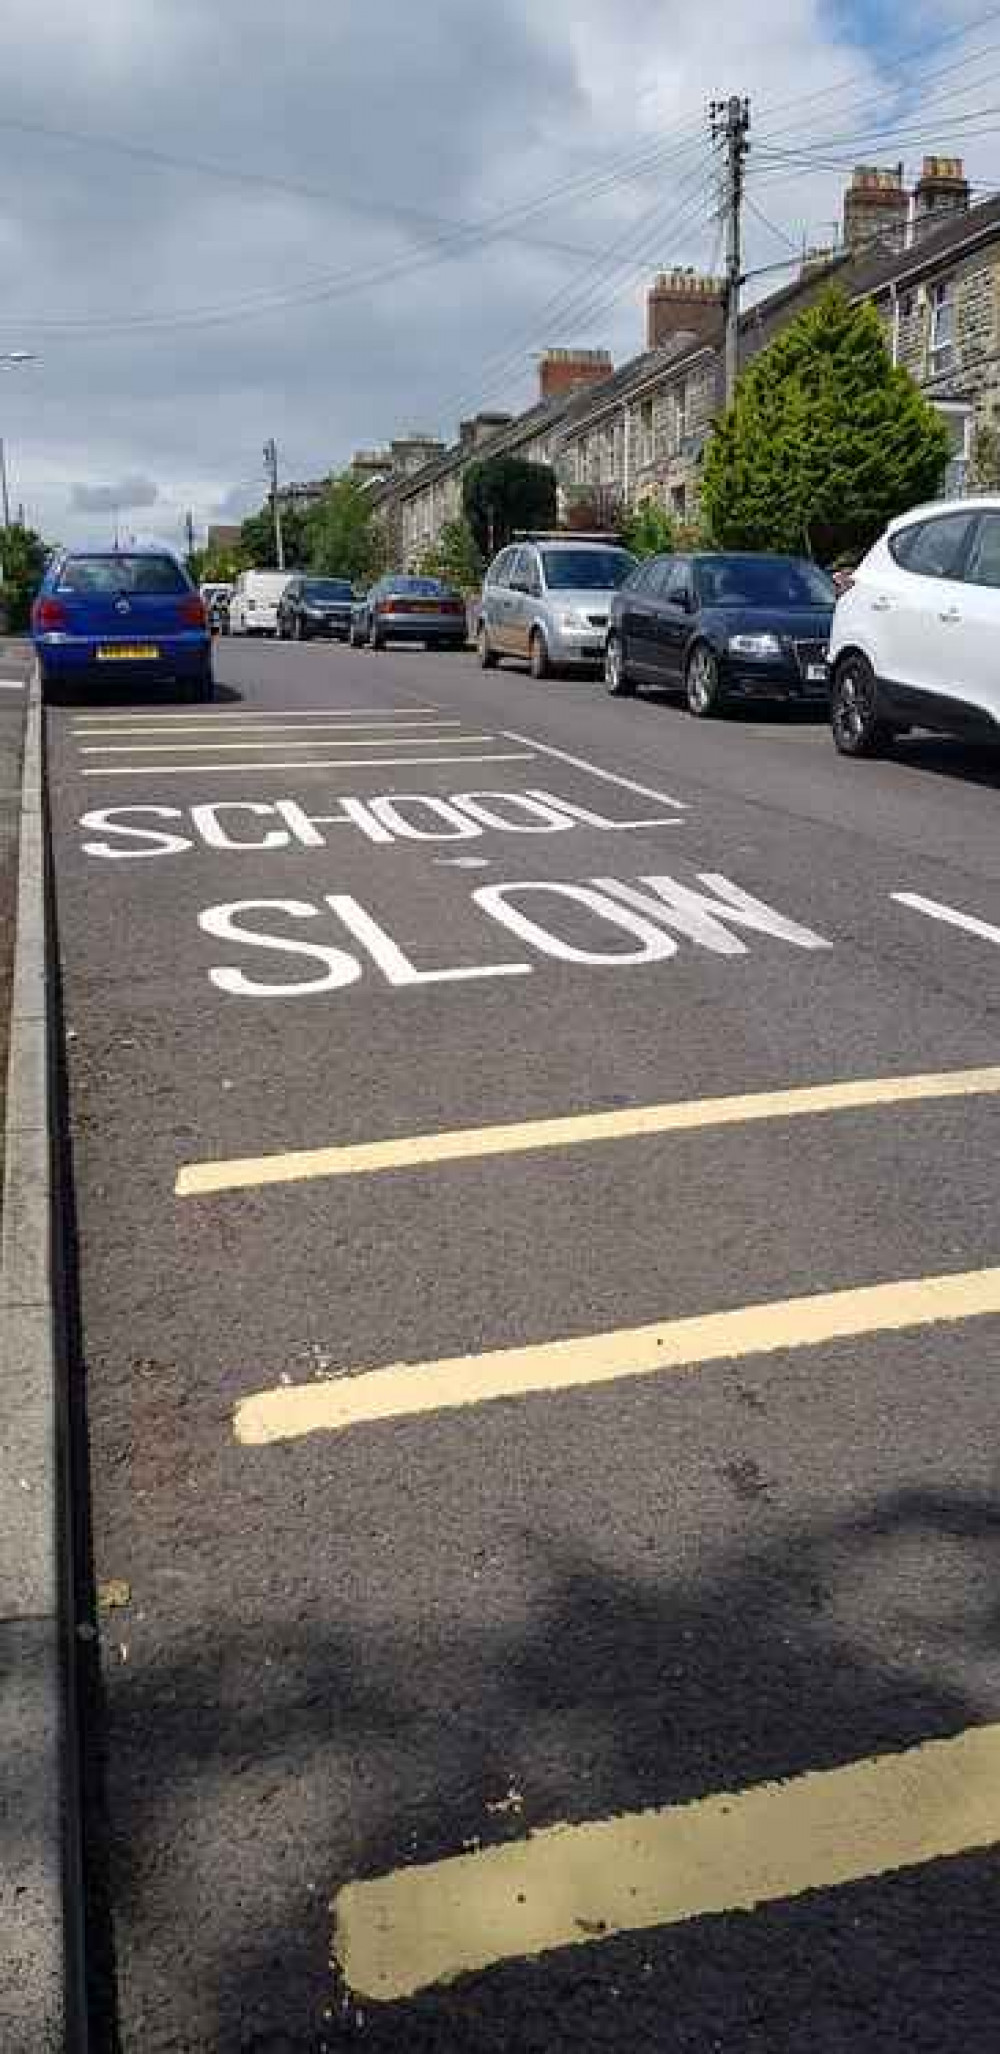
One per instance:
(127,652)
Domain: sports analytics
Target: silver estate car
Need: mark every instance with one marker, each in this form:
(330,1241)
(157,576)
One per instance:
(548,600)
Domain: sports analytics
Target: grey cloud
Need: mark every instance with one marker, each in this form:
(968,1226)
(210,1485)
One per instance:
(128,493)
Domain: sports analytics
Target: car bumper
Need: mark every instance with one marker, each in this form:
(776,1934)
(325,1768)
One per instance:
(76,656)
(744,679)
(334,624)
(428,627)
(577,649)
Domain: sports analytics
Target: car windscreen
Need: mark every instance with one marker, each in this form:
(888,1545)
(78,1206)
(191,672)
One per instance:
(147,576)
(326,588)
(763,581)
(586,570)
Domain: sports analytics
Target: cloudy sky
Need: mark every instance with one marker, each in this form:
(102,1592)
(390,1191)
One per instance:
(333,221)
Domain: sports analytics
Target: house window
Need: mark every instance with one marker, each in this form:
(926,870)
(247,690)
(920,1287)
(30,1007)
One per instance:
(678,502)
(646,432)
(942,337)
(958,420)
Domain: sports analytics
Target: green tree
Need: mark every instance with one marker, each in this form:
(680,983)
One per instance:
(825,442)
(504,493)
(648,530)
(984,470)
(455,557)
(22,559)
(258,549)
(345,538)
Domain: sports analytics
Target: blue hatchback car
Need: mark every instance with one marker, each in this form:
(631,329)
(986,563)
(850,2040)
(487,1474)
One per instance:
(118,617)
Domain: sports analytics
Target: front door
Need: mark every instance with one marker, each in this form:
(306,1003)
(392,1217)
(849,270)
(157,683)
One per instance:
(519,603)
(672,623)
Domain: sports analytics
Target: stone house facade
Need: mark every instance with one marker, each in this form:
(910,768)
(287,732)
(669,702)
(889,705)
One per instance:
(617,437)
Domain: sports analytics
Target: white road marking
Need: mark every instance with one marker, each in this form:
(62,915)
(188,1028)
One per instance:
(400,738)
(241,712)
(949,914)
(611,777)
(316,763)
(12,684)
(424,725)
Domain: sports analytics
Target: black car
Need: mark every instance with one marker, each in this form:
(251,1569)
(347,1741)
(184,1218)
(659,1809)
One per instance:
(409,609)
(315,606)
(722,628)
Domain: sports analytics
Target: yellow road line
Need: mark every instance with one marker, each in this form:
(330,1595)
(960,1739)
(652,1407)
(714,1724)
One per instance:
(568,1886)
(401,737)
(404,1390)
(628,1123)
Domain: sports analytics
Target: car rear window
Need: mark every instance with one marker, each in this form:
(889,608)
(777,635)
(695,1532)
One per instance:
(113,574)
(586,570)
(326,588)
(416,588)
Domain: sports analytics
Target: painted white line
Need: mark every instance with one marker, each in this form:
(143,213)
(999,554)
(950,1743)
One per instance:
(574,1130)
(402,738)
(611,777)
(572,1885)
(423,726)
(12,684)
(315,763)
(243,712)
(949,914)
(406,1390)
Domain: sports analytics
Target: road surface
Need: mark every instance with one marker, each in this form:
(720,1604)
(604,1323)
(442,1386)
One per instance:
(535,1171)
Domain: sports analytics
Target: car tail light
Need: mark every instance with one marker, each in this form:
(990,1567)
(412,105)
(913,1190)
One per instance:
(390,606)
(49,614)
(191,612)
(456,606)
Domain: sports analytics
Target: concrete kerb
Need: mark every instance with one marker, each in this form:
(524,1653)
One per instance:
(42,2005)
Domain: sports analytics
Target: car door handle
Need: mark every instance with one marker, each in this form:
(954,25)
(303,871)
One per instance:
(881,605)
(950,613)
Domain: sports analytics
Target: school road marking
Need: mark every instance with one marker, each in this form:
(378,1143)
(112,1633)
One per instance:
(949,914)
(417,1151)
(568,1886)
(313,763)
(401,738)
(403,1390)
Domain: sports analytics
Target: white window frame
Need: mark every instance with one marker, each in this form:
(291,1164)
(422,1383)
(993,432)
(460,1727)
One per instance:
(955,485)
(942,303)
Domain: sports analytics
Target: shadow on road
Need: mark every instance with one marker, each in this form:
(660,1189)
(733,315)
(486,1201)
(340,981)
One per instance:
(253,1772)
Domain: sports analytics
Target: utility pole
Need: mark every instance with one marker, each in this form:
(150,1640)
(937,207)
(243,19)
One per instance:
(730,123)
(189,531)
(3,486)
(271,461)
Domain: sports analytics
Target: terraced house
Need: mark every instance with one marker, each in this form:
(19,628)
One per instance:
(928,258)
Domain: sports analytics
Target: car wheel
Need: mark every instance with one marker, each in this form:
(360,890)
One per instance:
(539,655)
(856,725)
(704,691)
(488,658)
(298,631)
(374,638)
(616,677)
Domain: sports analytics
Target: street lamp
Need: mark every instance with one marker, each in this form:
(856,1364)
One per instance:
(13,357)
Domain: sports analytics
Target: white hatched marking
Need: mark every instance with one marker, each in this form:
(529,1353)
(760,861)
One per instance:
(327,763)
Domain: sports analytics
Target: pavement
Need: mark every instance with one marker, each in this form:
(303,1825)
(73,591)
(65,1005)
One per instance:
(535,1179)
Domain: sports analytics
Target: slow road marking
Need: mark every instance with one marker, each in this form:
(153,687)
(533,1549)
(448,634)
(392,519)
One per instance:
(628,1123)
(950,915)
(569,1886)
(404,1390)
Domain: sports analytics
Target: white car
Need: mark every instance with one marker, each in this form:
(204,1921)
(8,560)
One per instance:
(253,608)
(916,638)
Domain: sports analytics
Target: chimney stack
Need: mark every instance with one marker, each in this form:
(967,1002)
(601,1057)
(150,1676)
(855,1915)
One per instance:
(684,302)
(942,190)
(478,429)
(562,370)
(876,207)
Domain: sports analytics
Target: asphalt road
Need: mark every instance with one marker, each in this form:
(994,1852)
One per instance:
(719,1601)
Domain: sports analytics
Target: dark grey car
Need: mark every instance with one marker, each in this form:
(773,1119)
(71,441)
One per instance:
(409,609)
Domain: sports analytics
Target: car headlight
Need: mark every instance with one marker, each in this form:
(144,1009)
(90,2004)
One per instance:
(754,645)
(573,621)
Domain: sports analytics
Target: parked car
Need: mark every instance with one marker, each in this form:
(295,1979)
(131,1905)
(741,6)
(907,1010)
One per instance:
(253,608)
(215,598)
(549,601)
(315,606)
(722,628)
(915,640)
(406,609)
(117,616)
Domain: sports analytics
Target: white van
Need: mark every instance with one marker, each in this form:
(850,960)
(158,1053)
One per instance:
(253,608)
